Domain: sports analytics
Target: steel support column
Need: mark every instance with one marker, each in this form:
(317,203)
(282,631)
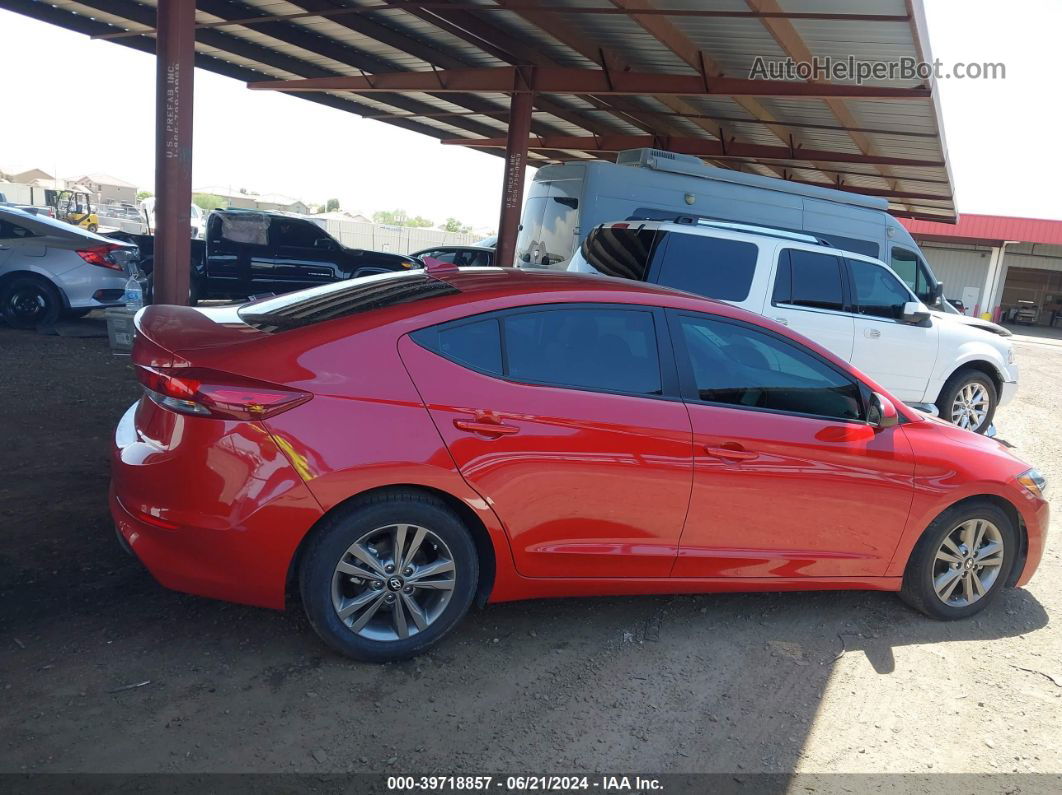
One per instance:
(174,65)
(520,107)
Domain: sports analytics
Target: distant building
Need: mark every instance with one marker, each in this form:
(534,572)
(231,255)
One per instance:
(35,176)
(278,201)
(106,188)
(255,201)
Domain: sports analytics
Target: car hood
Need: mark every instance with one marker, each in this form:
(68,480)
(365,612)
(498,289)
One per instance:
(973,322)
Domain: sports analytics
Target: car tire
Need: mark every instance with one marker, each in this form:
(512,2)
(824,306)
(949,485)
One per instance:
(969,399)
(30,301)
(938,578)
(368,605)
(93,228)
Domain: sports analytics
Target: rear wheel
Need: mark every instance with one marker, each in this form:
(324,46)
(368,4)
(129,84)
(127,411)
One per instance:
(961,562)
(969,400)
(387,578)
(29,301)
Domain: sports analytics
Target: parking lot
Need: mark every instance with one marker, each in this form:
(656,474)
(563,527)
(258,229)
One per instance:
(102,669)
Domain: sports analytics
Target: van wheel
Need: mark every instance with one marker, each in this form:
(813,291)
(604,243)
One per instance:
(969,400)
(388,578)
(961,562)
(29,301)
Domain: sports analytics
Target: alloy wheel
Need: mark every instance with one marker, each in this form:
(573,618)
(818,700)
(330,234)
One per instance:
(970,406)
(27,304)
(968,562)
(393,582)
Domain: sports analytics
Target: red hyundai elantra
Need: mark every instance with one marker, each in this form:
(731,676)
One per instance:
(396,447)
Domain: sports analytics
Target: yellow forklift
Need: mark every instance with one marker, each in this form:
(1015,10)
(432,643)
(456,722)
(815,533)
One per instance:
(76,207)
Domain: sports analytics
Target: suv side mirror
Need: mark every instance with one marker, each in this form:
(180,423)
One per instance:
(881,413)
(915,313)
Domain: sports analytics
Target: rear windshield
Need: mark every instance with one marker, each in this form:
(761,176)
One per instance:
(623,252)
(340,299)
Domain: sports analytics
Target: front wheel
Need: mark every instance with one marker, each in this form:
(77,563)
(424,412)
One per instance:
(961,562)
(93,228)
(969,400)
(388,578)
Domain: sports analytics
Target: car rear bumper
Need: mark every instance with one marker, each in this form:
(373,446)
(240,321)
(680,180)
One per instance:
(210,507)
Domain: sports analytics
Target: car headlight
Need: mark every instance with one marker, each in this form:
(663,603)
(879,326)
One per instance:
(1033,482)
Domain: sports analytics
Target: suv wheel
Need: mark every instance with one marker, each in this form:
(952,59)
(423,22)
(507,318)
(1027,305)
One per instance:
(961,562)
(388,578)
(29,301)
(969,400)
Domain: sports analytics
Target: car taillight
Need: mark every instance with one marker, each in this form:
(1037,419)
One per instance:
(209,393)
(101,255)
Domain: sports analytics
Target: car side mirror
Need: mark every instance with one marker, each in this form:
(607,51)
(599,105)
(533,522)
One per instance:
(915,313)
(882,413)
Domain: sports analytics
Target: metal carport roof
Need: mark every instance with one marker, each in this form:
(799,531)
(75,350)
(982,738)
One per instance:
(606,75)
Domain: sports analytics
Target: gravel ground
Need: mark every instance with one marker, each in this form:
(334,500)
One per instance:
(849,682)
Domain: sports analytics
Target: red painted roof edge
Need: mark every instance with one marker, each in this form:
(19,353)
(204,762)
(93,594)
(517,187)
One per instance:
(988,228)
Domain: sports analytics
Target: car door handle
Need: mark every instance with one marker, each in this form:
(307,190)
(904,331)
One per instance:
(485,428)
(871,333)
(781,320)
(736,453)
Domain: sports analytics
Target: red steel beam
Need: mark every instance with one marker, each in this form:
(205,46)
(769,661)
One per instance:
(174,65)
(513,188)
(601,82)
(703,147)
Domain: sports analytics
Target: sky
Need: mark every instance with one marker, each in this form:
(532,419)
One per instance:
(1001,135)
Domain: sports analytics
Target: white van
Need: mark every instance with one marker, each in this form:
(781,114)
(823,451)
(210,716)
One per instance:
(850,303)
(566,201)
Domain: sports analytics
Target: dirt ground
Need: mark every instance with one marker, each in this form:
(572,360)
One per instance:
(850,682)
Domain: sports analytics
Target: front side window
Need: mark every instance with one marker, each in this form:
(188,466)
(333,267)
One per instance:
(294,233)
(735,364)
(877,292)
(709,266)
(606,349)
(808,278)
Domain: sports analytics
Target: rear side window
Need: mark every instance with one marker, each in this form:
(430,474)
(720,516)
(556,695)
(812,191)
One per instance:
(625,253)
(476,344)
(9,231)
(877,292)
(600,349)
(807,278)
(738,365)
(708,266)
(613,350)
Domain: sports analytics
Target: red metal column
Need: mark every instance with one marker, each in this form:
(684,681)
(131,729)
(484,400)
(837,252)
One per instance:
(520,106)
(174,65)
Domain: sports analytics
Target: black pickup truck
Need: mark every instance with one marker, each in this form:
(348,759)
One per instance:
(248,252)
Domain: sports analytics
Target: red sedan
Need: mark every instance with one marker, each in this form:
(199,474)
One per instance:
(396,447)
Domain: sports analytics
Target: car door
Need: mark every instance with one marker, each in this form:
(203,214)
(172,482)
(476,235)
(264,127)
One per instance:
(237,247)
(808,296)
(303,255)
(575,435)
(900,356)
(790,481)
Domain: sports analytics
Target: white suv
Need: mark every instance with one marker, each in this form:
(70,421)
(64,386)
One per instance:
(854,305)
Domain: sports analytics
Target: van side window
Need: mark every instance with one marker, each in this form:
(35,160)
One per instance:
(710,266)
(807,278)
(875,291)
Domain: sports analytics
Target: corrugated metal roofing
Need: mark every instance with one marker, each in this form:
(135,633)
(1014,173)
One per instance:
(988,229)
(277,39)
